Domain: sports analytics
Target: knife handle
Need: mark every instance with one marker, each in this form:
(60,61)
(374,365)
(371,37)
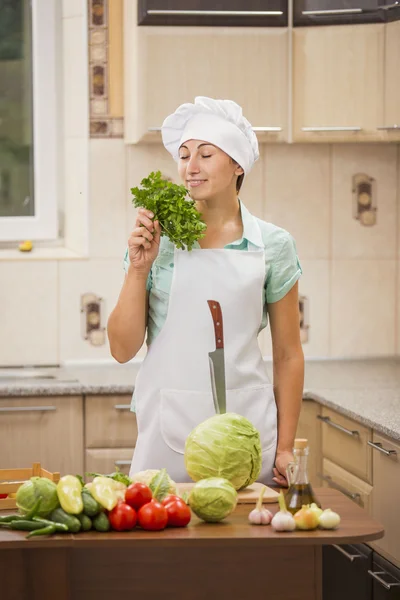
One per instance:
(216,314)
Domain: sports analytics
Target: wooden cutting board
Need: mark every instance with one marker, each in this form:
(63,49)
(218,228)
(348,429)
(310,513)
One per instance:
(247,496)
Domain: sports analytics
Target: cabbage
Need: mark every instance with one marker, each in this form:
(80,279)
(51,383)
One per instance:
(226,445)
(213,499)
(147,476)
(30,491)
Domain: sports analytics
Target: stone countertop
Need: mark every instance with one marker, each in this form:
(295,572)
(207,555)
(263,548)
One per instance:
(365,390)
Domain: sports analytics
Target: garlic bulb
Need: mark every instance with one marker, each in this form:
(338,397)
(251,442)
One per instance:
(328,519)
(260,515)
(283,520)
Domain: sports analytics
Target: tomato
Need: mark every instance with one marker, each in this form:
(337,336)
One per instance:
(138,494)
(123,517)
(170,498)
(3,496)
(179,513)
(153,516)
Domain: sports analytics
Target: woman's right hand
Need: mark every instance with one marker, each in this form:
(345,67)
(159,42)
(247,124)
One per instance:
(144,242)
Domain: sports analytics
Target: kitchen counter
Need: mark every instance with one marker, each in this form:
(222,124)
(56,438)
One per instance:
(365,390)
(228,560)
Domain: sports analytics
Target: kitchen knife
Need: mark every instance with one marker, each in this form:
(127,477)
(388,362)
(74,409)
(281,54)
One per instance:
(217,359)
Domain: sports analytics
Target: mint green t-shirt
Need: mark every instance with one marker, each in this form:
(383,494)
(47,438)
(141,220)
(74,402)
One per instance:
(282,268)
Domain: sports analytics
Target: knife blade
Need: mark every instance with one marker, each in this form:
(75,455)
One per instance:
(217,359)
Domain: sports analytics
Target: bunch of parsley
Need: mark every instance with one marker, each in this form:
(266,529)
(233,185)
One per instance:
(178,217)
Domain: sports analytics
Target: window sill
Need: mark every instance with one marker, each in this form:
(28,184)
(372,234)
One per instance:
(59,253)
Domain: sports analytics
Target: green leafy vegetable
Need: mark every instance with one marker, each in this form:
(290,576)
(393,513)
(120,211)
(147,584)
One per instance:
(179,219)
(213,499)
(159,485)
(117,476)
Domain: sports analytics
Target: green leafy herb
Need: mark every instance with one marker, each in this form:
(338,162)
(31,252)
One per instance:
(159,485)
(178,217)
(80,478)
(117,476)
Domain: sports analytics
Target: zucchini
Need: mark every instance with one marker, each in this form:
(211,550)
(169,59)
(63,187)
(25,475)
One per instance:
(91,507)
(101,522)
(60,516)
(85,522)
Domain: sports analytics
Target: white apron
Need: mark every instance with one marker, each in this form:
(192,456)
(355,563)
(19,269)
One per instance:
(173,387)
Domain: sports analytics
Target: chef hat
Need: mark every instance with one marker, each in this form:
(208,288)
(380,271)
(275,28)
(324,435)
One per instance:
(219,122)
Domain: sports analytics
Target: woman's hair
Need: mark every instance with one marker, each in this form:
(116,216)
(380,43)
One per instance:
(239,182)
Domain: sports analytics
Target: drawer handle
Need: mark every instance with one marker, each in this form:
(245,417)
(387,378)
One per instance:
(375,575)
(27,408)
(328,421)
(389,127)
(332,11)
(218,13)
(122,406)
(378,446)
(351,557)
(122,463)
(267,128)
(331,129)
(352,495)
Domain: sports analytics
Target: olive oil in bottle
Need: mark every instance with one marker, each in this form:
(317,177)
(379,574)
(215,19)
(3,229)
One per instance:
(300,490)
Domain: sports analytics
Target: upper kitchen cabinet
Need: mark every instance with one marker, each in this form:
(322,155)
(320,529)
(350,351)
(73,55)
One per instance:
(167,66)
(339,12)
(244,13)
(338,83)
(391,119)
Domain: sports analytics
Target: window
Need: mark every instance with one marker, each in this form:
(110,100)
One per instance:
(28,119)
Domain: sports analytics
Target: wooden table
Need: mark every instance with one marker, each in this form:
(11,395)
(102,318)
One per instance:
(231,560)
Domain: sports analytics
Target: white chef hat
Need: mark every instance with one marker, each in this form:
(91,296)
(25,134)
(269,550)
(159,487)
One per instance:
(219,122)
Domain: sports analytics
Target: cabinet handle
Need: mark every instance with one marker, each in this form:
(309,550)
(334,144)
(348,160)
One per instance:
(331,129)
(27,408)
(378,446)
(351,557)
(267,128)
(332,11)
(218,13)
(122,463)
(353,496)
(328,421)
(389,6)
(388,127)
(375,575)
(122,406)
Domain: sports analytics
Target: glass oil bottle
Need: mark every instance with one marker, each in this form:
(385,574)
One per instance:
(300,490)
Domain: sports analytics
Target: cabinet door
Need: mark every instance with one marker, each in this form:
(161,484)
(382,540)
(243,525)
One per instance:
(48,430)
(107,460)
(391,121)
(345,572)
(109,422)
(337,12)
(206,12)
(354,488)
(338,83)
(386,495)
(309,427)
(170,66)
(385,579)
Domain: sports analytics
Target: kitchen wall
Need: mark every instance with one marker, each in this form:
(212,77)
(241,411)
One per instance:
(350,289)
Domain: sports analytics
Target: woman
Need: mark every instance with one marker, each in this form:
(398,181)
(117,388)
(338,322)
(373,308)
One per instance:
(249,266)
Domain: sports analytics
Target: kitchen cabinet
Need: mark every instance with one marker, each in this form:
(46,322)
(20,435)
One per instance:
(385,500)
(345,442)
(46,429)
(337,83)
(338,12)
(310,428)
(166,67)
(271,13)
(385,579)
(354,488)
(391,117)
(345,572)
(109,422)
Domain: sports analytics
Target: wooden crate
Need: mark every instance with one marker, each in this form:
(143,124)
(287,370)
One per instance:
(12,479)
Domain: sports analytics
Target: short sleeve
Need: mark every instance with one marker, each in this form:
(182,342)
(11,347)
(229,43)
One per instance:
(284,271)
(126,267)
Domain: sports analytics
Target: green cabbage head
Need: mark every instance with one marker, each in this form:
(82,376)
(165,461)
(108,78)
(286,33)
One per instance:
(213,499)
(227,446)
(30,491)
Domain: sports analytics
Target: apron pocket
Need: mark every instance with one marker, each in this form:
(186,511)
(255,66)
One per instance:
(182,410)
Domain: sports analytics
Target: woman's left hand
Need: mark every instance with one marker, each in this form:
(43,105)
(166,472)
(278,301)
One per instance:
(281,462)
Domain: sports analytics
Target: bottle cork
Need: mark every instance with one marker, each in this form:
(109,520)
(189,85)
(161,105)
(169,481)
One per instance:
(300,443)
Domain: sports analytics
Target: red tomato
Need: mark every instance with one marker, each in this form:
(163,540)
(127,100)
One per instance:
(170,498)
(153,516)
(138,494)
(3,496)
(179,513)
(123,517)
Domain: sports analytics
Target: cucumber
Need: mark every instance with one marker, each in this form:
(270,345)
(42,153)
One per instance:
(85,522)
(60,516)
(91,507)
(101,522)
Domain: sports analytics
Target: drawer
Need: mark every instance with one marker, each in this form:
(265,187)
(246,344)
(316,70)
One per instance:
(351,486)
(109,422)
(107,460)
(344,442)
